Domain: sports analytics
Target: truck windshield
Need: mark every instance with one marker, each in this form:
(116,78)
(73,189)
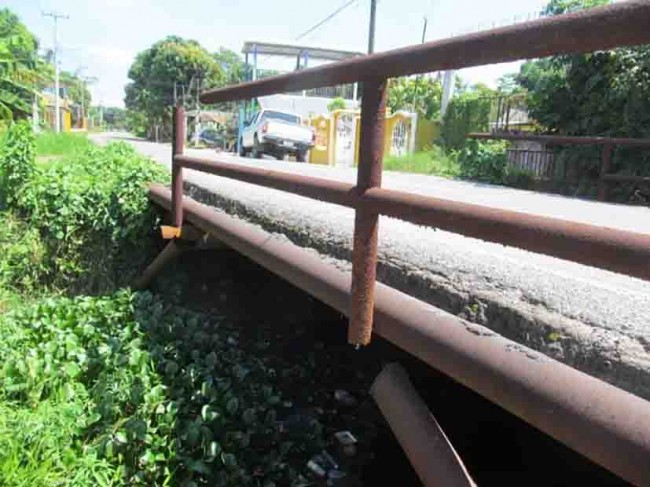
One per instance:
(285,117)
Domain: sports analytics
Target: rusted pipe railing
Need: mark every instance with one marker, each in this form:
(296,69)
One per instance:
(366,221)
(604,423)
(177,169)
(622,24)
(607,143)
(600,421)
(607,248)
(427,447)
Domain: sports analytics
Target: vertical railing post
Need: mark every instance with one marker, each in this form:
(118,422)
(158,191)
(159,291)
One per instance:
(364,251)
(605,166)
(178,146)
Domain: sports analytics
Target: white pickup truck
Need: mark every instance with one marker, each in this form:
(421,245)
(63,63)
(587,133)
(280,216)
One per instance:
(276,133)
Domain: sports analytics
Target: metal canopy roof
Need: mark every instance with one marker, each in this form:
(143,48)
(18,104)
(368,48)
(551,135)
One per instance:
(293,51)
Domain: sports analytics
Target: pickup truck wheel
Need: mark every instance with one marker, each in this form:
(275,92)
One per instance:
(301,156)
(257,152)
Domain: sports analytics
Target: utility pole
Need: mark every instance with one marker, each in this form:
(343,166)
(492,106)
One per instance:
(371,32)
(57,103)
(417,78)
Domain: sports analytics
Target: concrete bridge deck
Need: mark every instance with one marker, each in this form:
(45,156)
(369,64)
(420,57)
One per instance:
(594,320)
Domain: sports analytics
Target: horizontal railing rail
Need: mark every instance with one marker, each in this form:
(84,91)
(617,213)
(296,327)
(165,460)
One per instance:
(551,398)
(607,143)
(607,248)
(602,422)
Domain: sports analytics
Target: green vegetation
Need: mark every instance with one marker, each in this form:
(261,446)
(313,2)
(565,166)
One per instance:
(434,161)
(487,161)
(53,144)
(420,94)
(336,104)
(155,72)
(100,385)
(24,73)
(469,111)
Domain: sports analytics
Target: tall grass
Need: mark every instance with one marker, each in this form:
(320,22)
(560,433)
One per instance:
(53,144)
(433,161)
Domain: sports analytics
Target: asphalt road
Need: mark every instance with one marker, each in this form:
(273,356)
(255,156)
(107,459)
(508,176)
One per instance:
(593,319)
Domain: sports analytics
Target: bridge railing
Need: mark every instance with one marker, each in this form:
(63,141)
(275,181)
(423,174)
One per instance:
(621,24)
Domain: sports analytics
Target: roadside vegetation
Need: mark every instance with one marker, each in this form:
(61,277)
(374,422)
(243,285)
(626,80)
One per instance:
(64,143)
(102,385)
(433,161)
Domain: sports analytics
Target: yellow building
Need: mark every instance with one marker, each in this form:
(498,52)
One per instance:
(72,115)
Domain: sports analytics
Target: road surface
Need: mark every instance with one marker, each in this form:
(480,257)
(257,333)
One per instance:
(594,320)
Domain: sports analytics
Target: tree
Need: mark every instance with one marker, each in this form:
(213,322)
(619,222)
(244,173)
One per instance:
(336,104)
(21,69)
(558,7)
(468,111)
(422,94)
(605,93)
(602,93)
(232,66)
(77,88)
(173,65)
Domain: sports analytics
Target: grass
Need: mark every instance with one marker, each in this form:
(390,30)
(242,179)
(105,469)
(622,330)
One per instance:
(53,144)
(433,161)
(105,386)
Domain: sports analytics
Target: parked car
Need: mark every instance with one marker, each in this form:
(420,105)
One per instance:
(276,133)
(212,138)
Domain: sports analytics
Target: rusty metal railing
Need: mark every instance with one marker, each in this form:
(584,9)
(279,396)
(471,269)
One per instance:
(622,24)
(607,143)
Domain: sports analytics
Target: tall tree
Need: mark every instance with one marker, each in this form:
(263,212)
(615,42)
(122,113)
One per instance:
(21,69)
(171,66)
(232,66)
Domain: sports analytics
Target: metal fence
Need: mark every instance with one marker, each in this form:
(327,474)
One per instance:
(604,423)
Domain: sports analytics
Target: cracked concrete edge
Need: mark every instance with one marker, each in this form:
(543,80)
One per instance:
(612,357)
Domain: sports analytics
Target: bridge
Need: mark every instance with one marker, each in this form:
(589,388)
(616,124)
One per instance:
(601,421)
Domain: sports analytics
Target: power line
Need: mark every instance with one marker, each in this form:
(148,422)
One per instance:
(326,19)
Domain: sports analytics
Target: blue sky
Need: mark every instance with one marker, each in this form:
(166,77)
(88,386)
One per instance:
(103,36)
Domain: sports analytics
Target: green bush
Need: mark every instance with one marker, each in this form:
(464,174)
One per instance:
(92,211)
(487,161)
(467,112)
(80,399)
(433,161)
(16,162)
(483,161)
(22,258)
(63,143)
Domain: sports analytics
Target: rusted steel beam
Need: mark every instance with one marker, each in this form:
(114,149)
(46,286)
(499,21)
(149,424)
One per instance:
(620,24)
(366,220)
(311,187)
(563,139)
(427,447)
(171,251)
(607,248)
(177,169)
(624,178)
(600,421)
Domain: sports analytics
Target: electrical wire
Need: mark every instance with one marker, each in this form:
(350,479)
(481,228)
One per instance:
(326,19)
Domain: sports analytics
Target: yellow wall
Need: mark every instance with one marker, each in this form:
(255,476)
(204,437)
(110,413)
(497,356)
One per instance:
(321,152)
(426,134)
(324,152)
(66,121)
